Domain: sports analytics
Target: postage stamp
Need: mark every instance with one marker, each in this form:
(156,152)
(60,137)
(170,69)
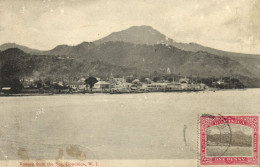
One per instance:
(228,140)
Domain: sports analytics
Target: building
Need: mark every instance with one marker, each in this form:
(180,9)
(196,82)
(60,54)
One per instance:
(123,85)
(101,85)
(77,85)
(82,79)
(184,80)
(6,90)
(155,86)
(127,85)
(28,83)
(119,80)
(136,81)
(220,82)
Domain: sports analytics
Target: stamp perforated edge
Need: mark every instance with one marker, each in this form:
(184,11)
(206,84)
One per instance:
(223,114)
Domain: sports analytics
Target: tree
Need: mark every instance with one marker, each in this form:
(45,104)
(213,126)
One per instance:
(142,79)
(91,82)
(48,82)
(129,79)
(168,78)
(14,83)
(39,84)
(156,79)
(58,87)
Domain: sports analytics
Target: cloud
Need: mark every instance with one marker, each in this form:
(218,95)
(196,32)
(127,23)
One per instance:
(227,25)
(246,27)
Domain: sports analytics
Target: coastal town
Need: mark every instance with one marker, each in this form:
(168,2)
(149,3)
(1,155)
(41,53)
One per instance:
(118,85)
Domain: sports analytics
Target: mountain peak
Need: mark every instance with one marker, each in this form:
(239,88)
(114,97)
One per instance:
(85,43)
(138,35)
(13,51)
(9,44)
(6,46)
(144,27)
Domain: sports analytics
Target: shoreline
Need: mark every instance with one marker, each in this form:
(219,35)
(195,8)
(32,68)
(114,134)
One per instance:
(111,93)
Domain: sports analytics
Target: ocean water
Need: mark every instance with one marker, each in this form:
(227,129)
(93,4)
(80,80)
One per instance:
(104,126)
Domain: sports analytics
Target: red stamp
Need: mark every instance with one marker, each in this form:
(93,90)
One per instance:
(228,140)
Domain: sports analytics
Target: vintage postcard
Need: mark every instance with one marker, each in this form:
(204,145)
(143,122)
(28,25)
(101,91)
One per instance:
(141,83)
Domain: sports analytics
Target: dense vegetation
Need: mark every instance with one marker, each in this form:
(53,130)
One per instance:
(70,63)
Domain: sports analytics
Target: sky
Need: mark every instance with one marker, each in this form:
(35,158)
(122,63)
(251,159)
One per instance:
(225,129)
(231,25)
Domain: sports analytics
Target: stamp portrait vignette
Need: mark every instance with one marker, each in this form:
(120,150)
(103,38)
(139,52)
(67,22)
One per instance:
(216,132)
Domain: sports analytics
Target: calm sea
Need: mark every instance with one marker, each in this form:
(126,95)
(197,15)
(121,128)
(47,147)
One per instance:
(104,126)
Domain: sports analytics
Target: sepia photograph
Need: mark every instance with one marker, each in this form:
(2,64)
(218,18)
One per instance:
(238,142)
(116,83)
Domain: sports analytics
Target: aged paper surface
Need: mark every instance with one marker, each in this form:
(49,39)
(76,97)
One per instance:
(112,83)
